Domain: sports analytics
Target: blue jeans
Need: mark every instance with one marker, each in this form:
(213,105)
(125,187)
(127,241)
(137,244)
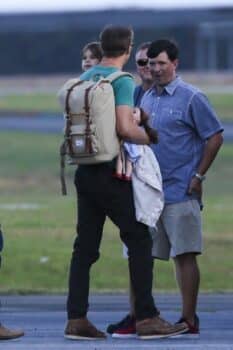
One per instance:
(101,195)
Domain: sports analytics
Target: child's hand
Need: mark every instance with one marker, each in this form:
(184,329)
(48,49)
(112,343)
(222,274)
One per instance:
(152,133)
(144,118)
(137,115)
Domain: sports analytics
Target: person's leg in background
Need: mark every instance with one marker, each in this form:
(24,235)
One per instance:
(182,222)
(6,333)
(188,279)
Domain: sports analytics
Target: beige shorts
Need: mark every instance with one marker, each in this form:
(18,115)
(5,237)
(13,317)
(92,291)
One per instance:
(178,230)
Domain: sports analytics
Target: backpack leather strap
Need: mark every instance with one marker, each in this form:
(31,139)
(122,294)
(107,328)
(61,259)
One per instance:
(68,114)
(67,142)
(88,143)
(62,168)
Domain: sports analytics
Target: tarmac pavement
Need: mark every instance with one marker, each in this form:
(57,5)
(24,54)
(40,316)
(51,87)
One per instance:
(43,319)
(44,123)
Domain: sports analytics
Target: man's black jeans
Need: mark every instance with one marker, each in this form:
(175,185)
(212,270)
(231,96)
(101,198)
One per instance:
(101,195)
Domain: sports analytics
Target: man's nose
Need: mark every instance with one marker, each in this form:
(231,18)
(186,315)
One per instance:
(156,68)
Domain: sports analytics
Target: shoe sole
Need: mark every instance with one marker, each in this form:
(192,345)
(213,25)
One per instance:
(10,338)
(187,336)
(124,336)
(159,336)
(79,337)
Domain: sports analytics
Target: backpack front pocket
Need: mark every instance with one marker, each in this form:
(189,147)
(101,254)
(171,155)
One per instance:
(83,141)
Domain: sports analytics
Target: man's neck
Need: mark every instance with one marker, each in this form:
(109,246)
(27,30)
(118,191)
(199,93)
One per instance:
(116,62)
(160,88)
(146,85)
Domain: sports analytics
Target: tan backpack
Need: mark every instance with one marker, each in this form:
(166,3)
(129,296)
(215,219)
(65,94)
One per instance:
(90,135)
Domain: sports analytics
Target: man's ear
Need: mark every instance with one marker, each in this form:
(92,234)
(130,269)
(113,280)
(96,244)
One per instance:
(176,63)
(130,48)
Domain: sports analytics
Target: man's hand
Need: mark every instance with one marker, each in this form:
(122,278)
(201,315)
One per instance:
(127,129)
(137,115)
(195,186)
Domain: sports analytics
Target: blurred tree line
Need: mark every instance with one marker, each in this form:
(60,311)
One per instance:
(52,43)
(60,52)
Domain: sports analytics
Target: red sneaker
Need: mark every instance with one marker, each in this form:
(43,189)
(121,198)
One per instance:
(126,328)
(193,331)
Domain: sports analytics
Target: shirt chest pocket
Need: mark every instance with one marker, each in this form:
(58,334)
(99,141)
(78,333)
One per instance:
(171,117)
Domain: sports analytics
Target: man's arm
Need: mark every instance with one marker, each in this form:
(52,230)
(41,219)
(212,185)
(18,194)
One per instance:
(127,129)
(211,149)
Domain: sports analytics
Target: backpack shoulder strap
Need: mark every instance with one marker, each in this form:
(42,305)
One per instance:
(118,74)
(69,90)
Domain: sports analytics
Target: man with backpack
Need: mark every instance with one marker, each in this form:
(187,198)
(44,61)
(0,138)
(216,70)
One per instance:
(126,328)
(100,194)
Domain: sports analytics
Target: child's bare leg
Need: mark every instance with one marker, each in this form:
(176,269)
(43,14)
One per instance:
(128,170)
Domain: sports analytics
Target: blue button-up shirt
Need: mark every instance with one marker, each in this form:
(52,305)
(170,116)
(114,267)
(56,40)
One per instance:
(184,120)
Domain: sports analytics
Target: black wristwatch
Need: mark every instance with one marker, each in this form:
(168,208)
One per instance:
(200,177)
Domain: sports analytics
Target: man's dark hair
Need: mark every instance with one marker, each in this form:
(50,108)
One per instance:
(116,40)
(143,46)
(95,49)
(163,45)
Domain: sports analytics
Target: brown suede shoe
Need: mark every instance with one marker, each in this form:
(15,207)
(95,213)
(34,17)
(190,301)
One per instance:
(82,329)
(156,327)
(6,334)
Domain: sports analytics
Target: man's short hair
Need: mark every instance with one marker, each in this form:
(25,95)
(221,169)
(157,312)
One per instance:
(143,46)
(163,45)
(116,40)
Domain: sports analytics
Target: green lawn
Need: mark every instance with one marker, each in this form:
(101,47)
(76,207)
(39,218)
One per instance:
(39,223)
(29,103)
(223,103)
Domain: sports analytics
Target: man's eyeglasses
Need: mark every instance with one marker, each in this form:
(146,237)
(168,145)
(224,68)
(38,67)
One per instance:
(142,62)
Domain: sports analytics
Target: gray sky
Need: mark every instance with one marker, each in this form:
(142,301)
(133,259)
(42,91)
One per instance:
(66,5)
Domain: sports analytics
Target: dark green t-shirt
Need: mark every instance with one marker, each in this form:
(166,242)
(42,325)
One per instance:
(123,87)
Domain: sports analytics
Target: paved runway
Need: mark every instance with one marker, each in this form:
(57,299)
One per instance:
(43,318)
(43,123)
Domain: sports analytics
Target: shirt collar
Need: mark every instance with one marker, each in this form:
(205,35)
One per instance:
(171,87)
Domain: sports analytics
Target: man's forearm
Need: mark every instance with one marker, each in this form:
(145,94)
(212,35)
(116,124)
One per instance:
(136,135)
(127,129)
(211,149)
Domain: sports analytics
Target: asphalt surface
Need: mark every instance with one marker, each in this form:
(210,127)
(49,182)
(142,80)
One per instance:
(36,123)
(55,124)
(43,319)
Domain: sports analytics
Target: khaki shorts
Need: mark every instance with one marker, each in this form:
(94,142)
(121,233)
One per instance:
(178,230)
